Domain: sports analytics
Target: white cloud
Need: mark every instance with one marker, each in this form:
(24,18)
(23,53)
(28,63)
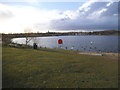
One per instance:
(21,17)
(97,14)
(92,15)
(70,14)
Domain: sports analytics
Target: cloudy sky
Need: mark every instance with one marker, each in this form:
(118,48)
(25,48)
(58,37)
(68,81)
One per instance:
(37,16)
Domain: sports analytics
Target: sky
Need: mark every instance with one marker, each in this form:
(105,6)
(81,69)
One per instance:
(36,16)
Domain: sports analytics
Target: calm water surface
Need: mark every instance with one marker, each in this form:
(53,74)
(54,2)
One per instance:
(92,43)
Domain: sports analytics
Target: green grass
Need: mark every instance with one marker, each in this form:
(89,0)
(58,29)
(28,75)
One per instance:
(50,68)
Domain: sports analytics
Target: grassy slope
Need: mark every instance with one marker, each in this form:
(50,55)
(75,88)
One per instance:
(57,68)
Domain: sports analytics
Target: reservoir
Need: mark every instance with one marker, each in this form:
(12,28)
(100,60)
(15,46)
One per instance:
(91,43)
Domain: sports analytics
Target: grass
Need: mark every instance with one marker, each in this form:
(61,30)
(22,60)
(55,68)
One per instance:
(50,68)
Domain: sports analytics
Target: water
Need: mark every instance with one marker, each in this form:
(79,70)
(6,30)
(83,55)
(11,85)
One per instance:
(92,43)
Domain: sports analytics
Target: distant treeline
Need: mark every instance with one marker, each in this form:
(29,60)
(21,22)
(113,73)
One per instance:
(107,32)
(7,37)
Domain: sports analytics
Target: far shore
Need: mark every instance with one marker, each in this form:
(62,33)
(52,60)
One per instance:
(24,46)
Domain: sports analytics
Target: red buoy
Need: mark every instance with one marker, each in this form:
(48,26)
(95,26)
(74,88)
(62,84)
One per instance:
(60,41)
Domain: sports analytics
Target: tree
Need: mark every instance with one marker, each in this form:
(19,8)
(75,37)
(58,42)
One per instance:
(27,31)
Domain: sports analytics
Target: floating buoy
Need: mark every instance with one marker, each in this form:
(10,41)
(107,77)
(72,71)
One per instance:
(60,41)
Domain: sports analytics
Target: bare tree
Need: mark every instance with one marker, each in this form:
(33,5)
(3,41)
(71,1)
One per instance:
(27,31)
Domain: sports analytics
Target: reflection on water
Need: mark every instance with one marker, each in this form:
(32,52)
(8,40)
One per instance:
(92,43)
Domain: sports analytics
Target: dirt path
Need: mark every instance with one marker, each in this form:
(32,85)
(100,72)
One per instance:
(115,55)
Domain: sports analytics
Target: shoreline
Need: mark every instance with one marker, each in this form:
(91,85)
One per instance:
(23,46)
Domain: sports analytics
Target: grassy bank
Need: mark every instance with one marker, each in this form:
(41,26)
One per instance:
(28,68)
